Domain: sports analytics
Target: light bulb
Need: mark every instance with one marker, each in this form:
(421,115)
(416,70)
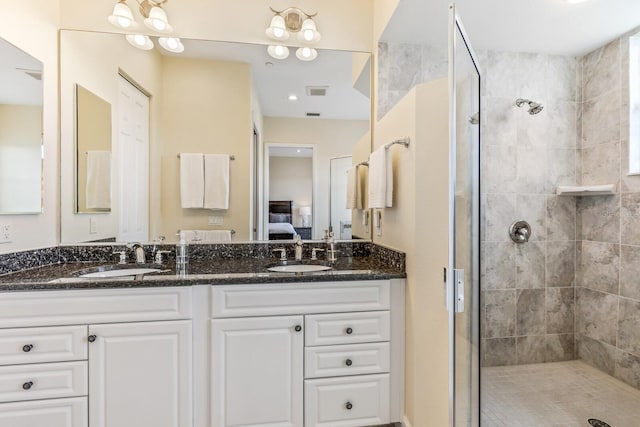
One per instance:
(306,52)
(159,24)
(278,32)
(308,35)
(139,39)
(172,43)
(123,22)
(279,50)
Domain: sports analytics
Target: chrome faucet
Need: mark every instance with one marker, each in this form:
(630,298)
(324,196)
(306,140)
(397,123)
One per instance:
(138,250)
(298,243)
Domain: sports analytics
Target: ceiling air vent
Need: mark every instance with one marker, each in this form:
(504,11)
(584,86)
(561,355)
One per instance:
(317,90)
(313,114)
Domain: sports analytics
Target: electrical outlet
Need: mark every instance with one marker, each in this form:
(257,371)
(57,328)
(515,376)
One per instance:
(93,226)
(5,233)
(216,220)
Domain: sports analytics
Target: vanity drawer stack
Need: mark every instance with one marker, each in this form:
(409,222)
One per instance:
(347,362)
(43,376)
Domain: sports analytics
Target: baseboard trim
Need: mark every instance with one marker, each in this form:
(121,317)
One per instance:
(405,422)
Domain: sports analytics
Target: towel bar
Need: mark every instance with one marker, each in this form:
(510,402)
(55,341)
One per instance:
(403,141)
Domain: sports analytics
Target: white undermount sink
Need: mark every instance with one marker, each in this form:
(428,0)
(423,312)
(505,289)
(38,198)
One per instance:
(122,272)
(298,268)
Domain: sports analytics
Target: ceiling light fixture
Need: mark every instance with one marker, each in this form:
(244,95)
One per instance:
(154,15)
(140,41)
(171,44)
(294,20)
(278,51)
(306,53)
(122,17)
(293,97)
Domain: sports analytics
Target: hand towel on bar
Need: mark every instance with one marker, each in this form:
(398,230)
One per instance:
(380,179)
(216,181)
(191,180)
(215,236)
(98,187)
(354,192)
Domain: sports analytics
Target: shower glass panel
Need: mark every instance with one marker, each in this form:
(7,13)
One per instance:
(464,257)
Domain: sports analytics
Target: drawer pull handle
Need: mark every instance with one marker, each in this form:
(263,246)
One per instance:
(348,331)
(348,362)
(298,328)
(27,385)
(91,338)
(349,406)
(27,348)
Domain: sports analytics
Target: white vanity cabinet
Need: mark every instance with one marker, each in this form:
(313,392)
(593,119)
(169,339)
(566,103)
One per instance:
(307,354)
(96,358)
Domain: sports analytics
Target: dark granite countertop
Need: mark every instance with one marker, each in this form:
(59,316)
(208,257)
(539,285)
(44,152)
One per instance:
(216,271)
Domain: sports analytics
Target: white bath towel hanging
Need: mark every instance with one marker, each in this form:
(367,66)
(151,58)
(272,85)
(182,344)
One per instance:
(98,187)
(380,190)
(216,236)
(192,180)
(216,181)
(354,190)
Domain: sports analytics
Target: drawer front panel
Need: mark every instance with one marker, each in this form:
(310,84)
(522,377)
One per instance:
(45,413)
(299,298)
(43,381)
(94,306)
(347,401)
(347,328)
(36,345)
(343,360)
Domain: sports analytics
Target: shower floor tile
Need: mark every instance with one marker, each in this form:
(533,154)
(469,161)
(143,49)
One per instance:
(563,394)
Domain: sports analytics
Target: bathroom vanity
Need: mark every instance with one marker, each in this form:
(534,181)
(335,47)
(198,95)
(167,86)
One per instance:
(205,350)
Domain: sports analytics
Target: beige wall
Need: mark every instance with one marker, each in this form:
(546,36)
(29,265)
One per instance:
(208,112)
(331,138)
(20,158)
(344,25)
(291,178)
(31,25)
(93,61)
(417,225)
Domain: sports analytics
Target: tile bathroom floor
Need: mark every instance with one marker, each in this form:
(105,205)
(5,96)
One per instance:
(558,394)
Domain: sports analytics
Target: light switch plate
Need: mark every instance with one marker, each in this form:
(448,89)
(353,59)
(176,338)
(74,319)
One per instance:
(5,233)
(215,220)
(93,226)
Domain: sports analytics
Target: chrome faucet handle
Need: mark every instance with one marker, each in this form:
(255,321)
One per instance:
(158,257)
(314,253)
(122,256)
(283,253)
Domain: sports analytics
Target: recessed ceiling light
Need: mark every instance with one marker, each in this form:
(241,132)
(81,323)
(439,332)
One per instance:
(299,151)
(293,97)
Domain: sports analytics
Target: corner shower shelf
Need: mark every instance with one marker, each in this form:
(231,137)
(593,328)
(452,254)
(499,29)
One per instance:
(586,190)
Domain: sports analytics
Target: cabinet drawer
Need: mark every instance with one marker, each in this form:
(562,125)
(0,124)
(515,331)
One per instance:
(347,328)
(347,401)
(299,298)
(43,381)
(36,345)
(45,413)
(342,360)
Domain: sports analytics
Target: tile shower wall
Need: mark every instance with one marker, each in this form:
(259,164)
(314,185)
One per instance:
(527,298)
(608,285)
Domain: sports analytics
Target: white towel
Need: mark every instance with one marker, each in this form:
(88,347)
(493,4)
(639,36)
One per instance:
(191,180)
(98,189)
(216,181)
(354,191)
(215,236)
(380,179)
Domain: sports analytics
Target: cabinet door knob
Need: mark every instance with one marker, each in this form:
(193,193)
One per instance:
(298,328)
(27,348)
(91,338)
(348,362)
(348,331)
(27,385)
(349,406)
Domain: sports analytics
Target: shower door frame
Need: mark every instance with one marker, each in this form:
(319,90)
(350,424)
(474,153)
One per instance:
(471,391)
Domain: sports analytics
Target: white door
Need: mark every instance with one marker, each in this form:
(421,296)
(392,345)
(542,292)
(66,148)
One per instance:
(257,372)
(140,374)
(132,151)
(45,413)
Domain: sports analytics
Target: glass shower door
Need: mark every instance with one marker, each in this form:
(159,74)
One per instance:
(463,281)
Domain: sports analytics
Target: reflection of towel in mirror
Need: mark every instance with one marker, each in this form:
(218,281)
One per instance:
(380,179)
(354,192)
(98,189)
(191,180)
(216,181)
(205,236)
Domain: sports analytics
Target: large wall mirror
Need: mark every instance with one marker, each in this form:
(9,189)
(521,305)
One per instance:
(21,149)
(267,119)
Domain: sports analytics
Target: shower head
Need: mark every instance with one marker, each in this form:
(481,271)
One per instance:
(534,107)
